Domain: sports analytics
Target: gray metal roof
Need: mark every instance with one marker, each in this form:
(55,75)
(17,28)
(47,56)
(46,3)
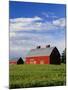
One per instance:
(40,52)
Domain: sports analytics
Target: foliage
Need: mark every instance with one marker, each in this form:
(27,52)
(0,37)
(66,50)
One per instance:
(25,76)
(20,61)
(64,56)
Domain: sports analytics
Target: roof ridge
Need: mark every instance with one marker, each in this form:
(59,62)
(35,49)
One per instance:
(42,48)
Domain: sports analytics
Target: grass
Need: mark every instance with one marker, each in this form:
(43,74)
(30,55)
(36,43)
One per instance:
(25,76)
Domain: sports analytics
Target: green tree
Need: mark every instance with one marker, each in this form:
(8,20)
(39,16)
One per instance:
(64,56)
(20,61)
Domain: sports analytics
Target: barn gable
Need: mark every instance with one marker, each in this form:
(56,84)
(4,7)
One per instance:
(55,57)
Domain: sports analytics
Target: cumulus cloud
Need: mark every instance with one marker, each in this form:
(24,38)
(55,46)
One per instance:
(35,23)
(23,20)
(21,42)
(60,22)
(22,47)
(24,23)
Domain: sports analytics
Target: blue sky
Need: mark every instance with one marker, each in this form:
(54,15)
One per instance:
(33,24)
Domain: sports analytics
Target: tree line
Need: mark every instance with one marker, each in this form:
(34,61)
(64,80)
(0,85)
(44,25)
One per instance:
(63,56)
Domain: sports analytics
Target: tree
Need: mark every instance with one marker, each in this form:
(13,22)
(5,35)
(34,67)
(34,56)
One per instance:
(20,61)
(64,56)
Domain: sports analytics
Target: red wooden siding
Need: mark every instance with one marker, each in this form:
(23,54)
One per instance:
(12,62)
(38,60)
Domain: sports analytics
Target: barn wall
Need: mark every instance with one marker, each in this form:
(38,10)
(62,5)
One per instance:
(37,60)
(12,62)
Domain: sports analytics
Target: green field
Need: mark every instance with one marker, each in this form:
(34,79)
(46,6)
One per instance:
(25,76)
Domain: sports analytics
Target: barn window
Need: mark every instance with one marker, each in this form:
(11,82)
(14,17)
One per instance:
(41,62)
(34,62)
(31,61)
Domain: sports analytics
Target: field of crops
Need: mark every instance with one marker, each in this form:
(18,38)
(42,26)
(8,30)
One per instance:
(25,76)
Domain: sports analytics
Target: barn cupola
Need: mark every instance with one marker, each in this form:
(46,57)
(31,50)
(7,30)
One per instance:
(47,46)
(38,47)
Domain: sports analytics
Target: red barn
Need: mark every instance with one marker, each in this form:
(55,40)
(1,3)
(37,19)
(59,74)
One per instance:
(13,62)
(48,55)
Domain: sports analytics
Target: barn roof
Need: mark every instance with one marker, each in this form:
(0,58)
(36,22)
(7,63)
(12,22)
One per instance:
(40,52)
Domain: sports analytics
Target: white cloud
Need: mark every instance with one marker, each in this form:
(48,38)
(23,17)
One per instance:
(49,15)
(23,23)
(21,42)
(60,22)
(31,40)
(23,20)
(35,23)
(45,14)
